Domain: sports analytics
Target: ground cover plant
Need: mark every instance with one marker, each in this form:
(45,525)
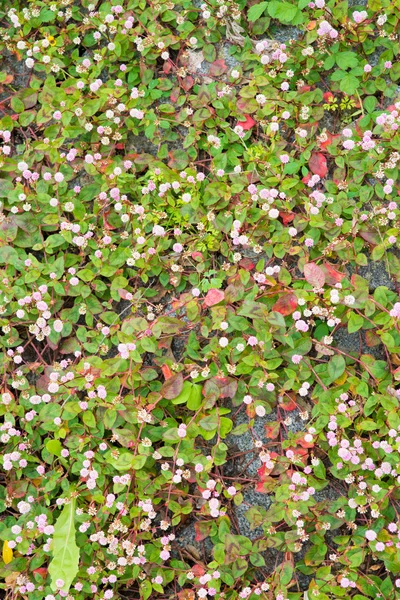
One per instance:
(200,380)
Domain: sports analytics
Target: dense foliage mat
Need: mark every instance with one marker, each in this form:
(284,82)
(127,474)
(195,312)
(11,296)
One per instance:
(192,197)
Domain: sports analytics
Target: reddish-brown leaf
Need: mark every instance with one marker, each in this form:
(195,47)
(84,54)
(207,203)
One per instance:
(227,386)
(214,296)
(371,339)
(314,275)
(124,294)
(218,67)
(272,430)
(187,83)
(372,237)
(332,276)
(286,305)
(246,263)
(167,67)
(106,223)
(202,529)
(172,387)
(246,105)
(305,88)
(289,401)
(186,594)
(317,164)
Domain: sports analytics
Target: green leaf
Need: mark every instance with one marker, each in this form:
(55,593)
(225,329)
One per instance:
(195,397)
(349,84)
(347,60)
(370,103)
(336,366)
(17,105)
(276,319)
(89,420)
(138,462)
(256,11)
(122,462)
(355,322)
(285,12)
(65,562)
(209,423)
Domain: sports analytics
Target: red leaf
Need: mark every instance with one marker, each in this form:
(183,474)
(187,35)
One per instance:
(314,275)
(247,124)
(166,371)
(287,217)
(302,442)
(332,276)
(218,67)
(197,256)
(302,452)
(288,404)
(286,305)
(317,164)
(328,96)
(264,470)
(42,571)
(214,297)
(198,570)
(187,83)
(329,141)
